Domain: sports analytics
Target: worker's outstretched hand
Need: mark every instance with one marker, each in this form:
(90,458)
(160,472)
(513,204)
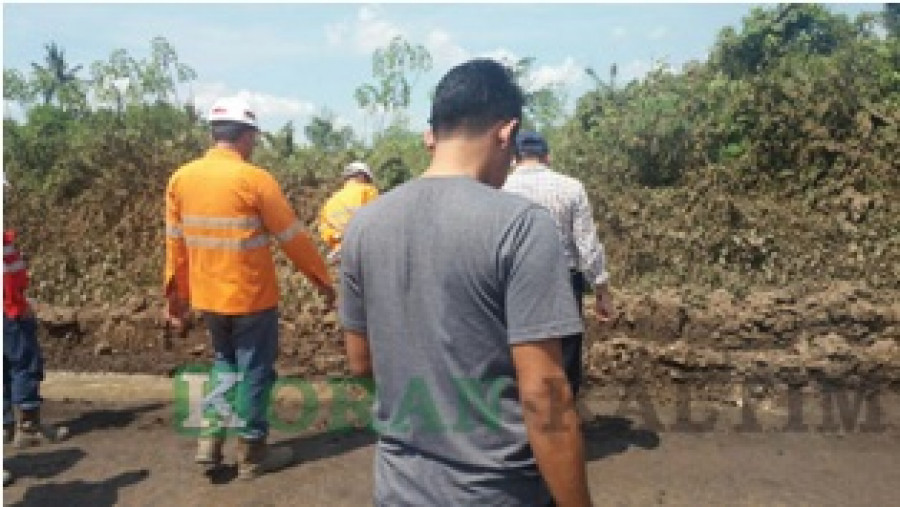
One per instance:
(604,307)
(176,312)
(330,296)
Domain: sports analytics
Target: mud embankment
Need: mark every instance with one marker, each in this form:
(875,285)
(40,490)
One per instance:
(839,334)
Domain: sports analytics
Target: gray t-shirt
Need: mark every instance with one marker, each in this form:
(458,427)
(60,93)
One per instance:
(443,275)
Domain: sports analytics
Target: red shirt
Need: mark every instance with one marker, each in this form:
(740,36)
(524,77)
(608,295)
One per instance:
(15,278)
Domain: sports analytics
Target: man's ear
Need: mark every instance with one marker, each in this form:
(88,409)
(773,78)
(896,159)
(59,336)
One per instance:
(507,132)
(428,138)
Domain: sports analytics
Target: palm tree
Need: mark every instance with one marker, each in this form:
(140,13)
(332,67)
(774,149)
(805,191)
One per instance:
(55,79)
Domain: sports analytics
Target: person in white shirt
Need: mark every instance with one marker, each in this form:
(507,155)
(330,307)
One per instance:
(567,201)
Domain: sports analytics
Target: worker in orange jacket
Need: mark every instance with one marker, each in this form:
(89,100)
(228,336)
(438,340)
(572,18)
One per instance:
(23,364)
(334,216)
(222,213)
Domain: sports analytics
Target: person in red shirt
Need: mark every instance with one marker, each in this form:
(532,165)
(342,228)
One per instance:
(23,365)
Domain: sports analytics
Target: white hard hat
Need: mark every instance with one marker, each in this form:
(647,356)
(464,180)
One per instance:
(357,167)
(233,109)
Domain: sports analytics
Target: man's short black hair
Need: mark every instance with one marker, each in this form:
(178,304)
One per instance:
(228,131)
(474,96)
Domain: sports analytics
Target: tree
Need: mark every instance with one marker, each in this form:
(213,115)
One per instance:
(324,134)
(16,88)
(395,68)
(122,79)
(283,141)
(56,80)
(397,155)
(544,104)
(609,86)
(769,34)
(160,75)
(891,17)
(112,80)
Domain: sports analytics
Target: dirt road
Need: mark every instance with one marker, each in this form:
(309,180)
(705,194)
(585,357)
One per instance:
(124,451)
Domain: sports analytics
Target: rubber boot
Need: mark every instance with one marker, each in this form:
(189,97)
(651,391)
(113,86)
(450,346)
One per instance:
(255,458)
(30,432)
(209,451)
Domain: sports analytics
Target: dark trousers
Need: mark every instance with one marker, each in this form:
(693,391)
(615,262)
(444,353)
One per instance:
(248,345)
(23,366)
(572,344)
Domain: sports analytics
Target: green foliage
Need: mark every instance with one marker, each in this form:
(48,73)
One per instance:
(773,165)
(395,68)
(57,81)
(774,161)
(15,87)
(282,141)
(112,80)
(544,104)
(61,154)
(32,152)
(826,116)
(891,19)
(769,34)
(64,147)
(162,72)
(822,102)
(323,133)
(123,79)
(641,133)
(396,156)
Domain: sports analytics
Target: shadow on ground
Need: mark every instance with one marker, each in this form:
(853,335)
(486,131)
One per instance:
(608,435)
(306,449)
(104,419)
(43,465)
(82,493)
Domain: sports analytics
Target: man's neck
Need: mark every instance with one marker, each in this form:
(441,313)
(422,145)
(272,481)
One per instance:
(459,156)
(225,145)
(530,163)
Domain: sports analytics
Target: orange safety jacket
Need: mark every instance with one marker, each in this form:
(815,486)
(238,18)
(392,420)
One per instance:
(221,215)
(339,209)
(15,278)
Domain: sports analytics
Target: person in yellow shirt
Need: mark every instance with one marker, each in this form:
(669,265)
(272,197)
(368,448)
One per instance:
(222,214)
(358,190)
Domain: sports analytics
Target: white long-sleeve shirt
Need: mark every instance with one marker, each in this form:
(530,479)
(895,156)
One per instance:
(567,201)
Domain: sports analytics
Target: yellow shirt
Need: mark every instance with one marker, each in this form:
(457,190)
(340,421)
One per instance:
(222,214)
(339,209)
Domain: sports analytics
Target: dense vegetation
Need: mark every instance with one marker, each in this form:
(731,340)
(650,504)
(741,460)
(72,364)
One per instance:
(797,95)
(773,161)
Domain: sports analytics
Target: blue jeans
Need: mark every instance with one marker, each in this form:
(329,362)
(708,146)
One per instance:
(23,366)
(248,345)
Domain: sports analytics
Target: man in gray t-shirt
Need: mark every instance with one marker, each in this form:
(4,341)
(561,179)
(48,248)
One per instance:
(454,295)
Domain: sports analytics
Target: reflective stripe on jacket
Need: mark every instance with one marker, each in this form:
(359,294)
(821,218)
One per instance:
(15,278)
(222,214)
(339,209)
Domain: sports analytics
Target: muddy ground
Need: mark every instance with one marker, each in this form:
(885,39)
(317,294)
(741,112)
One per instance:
(126,452)
(785,397)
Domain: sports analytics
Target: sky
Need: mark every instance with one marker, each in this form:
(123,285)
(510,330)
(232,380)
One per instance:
(293,61)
